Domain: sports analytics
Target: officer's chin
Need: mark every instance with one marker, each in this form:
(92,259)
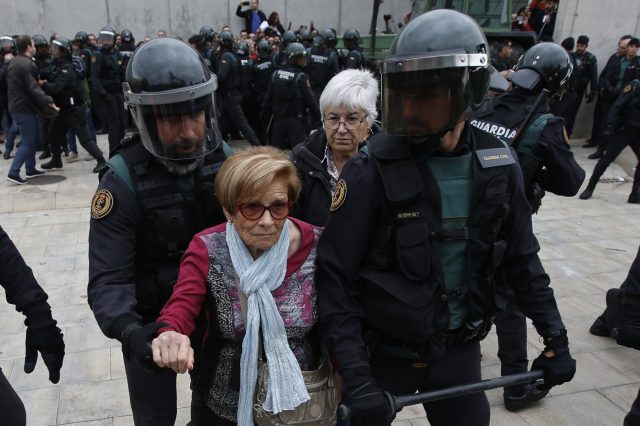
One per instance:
(181,167)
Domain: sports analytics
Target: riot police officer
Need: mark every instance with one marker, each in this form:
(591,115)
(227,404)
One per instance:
(44,65)
(406,264)
(263,69)
(306,38)
(157,192)
(106,83)
(280,58)
(206,50)
(63,85)
(354,58)
(127,46)
(230,95)
(289,100)
(520,118)
(322,63)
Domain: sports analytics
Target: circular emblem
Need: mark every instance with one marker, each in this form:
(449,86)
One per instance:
(101,204)
(627,88)
(339,196)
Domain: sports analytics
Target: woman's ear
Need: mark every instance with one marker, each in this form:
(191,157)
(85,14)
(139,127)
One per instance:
(227,215)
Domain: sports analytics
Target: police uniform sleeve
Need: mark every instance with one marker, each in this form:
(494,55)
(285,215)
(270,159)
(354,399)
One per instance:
(115,217)
(267,105)
(616,114)
(562,175)
(63,80)
(96,66)
(341,250)
(522,266)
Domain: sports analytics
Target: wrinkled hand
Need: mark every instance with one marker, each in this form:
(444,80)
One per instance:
(173,350)
(136,344)
(48,341)
(368,403)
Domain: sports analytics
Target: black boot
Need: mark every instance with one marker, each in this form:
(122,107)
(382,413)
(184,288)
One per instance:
(598,154)
(599,328)
(101,164)
(587,193)
(44,155)
(517,397)
(54,163)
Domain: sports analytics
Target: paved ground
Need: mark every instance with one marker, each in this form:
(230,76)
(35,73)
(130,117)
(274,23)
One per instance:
(587,247)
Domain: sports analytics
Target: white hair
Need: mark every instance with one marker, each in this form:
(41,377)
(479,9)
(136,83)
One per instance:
(353,90)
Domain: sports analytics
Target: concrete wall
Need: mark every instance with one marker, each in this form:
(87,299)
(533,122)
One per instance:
(604,22)
(182,17)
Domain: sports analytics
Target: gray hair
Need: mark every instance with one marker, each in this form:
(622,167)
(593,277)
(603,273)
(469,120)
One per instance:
(353,90)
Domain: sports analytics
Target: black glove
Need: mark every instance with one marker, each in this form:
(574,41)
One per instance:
(48,341)
(591,96)
(368,403)
(559,368)
(136,344)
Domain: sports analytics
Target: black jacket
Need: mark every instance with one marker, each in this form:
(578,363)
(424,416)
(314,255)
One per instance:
(625,112)
(106,72)
(246,14)
(63,85)
(25,96)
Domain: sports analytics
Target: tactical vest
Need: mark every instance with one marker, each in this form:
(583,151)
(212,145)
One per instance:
(505,124)
(405,297)
(319,65)
(354,59)
(263,70)
(287,98)
(173,209)
(71,95)
(246,75)
(110,72)
(233,78)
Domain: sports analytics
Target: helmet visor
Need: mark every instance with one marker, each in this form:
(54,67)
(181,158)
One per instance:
(424,102)
(176,129)
(107,37)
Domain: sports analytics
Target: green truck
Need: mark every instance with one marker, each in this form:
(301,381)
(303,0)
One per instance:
(494,16)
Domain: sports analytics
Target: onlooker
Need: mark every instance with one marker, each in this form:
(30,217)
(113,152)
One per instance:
(254,278)
(543,19)
(253,16)
(24,97)
(502,61)
(160,34)
(348,107)
(274,23)
(521,23)
(23,291)
(585,74)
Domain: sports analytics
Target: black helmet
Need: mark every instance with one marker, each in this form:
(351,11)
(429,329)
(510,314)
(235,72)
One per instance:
(242,49)
(207,32)
(226,40)
(39,41)
(61,43)
(294,51)
(127,36)
(435,72)
(81,37)
(7,41)
(263,47)
(351,36)
(306,37)
(545,65)
(107,35)
(168,86)
(288,37)
(326,37)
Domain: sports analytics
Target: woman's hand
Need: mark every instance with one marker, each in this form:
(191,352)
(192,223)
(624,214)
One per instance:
(173,350)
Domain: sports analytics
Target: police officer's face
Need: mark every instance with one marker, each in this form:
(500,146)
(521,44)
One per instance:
(426,111)
(262,233)
(343,141)
(182,135)
(581,48)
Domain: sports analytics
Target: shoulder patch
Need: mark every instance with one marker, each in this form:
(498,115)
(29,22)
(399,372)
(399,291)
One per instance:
(339,196)
(101,204)
(627,88)
(93,59)
(65,71)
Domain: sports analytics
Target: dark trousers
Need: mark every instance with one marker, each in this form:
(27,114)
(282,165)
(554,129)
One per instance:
(202,416)
(633,418)
(71,136)
(11,407)
(44,124)
(511,327)
(603,115)
(573,101)
(232,111)
(113,115)
(75,119)
(459,365)
(617,143)
(152,395)
(288,131)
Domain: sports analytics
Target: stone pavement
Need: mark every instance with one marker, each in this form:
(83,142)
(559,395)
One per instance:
(587,247)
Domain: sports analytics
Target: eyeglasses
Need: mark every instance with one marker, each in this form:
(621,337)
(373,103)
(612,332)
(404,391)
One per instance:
(254,211)
(350,123)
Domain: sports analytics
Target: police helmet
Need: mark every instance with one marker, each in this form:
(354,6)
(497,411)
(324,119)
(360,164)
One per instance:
(306,37)
(81,37)
(289,37)
(107,36)
(326,37)
(437,69)
(544,66)
(61,43)
(170,91)
(127,36)
(263,47)
(352,37)
(294,51)
(242,49)
(40,41)
(7,41)
(226,40)
(207,32)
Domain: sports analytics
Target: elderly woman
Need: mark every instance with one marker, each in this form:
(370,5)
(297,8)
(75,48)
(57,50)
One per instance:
(251,280)
(348,107)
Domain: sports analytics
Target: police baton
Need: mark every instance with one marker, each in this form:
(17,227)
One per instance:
(397,403)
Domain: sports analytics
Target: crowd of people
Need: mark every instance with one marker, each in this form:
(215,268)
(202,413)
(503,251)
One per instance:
(237,268)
